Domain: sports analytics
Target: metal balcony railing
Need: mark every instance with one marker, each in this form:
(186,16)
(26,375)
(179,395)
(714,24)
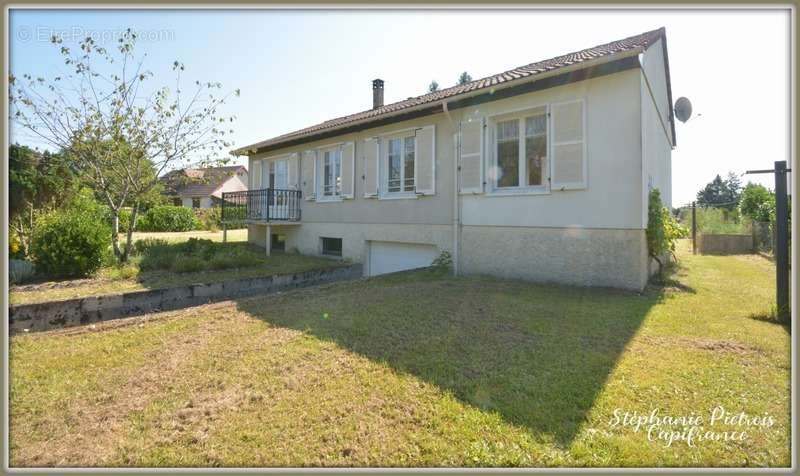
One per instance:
(263,205)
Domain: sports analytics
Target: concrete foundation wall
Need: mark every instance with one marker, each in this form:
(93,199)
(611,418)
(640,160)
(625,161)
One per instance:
(75,312)
(306,238)
(576,256)
(719,244)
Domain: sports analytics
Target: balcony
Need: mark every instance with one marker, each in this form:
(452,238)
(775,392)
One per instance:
(268,205)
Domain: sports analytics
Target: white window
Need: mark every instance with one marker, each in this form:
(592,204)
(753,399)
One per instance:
(400,158)
(520,151)
(332,173)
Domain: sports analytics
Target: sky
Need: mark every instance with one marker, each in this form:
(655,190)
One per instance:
(296,68)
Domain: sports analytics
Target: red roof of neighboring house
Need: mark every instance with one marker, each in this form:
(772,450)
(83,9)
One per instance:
(634,43)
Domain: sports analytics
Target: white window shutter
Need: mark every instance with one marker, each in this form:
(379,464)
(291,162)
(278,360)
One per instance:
(293,172)
(471,148)
(425,161)
(371,156)
(255,175)
(308,169)
(348,170)
(568,121)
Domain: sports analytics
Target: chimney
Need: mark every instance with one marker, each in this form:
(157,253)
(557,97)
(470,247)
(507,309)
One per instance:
(377,93)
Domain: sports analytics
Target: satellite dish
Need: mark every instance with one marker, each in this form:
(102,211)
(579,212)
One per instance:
(683,109)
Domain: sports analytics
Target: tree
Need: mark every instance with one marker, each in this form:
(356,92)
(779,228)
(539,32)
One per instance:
(464,78)
(37,182)
(757,202)
(119,133)
(721,193)
(433,87)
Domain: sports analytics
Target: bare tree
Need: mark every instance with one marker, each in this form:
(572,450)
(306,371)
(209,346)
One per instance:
(120,132)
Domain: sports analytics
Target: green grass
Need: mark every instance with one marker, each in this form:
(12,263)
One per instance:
(414,369)
(173,263)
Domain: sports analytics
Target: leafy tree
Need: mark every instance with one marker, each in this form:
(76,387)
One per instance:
(120,133)
(721,193)
(464,78)
(37,182)
(433,87)
(757,202)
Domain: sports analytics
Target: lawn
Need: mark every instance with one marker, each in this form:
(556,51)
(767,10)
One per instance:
(416,369)
(170,263)
(178,236)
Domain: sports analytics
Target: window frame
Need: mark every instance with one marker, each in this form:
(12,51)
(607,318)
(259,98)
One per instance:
(520,115)
(383,185)
(323,248)
(320,173)
(199,202)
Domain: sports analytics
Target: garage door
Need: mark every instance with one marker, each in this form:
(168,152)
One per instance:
(389,257)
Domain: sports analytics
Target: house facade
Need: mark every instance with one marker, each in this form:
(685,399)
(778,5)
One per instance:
(203,187)
(539,173)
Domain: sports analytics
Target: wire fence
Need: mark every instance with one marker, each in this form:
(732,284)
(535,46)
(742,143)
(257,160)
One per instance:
(723,221)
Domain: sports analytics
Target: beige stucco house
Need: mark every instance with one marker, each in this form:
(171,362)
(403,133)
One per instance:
(541,173)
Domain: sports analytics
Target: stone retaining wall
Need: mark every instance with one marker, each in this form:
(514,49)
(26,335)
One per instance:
(724,244)
(74,312)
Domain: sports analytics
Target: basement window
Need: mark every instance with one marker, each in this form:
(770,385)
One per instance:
(278,242)
(332,246)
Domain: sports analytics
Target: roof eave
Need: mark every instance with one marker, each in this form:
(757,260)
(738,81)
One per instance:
(254,148)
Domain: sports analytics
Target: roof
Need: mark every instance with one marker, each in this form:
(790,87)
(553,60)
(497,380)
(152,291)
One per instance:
(587,57)
(199,182)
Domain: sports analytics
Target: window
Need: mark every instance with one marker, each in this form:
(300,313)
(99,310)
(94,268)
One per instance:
(332,173)
(400,165)
(278,242)
(195,203)
(177,201)
(332,246)
(521,151)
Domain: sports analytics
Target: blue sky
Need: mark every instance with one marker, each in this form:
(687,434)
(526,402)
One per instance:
(300,67)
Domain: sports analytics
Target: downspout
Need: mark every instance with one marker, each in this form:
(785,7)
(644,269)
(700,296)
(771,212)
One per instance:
(456,196)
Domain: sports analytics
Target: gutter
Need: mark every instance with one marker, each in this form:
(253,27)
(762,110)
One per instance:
(456,196)
(255,148)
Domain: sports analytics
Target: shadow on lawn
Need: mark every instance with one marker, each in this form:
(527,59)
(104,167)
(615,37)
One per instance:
(537,355)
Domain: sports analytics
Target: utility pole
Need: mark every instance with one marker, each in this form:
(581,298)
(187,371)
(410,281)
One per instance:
(781,238)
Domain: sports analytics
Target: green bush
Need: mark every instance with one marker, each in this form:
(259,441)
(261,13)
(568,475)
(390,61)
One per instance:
(168,218)
(144,245)
(72,242)
(716,220)
(662,229)
(195,255)
(210,218)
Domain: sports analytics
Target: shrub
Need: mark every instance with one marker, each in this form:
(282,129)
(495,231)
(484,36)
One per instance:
(188,264)
(210,218)
(195,255)
(443,262)
(662,229)
(71,242)
(146,244)
(20,271)
(168,218)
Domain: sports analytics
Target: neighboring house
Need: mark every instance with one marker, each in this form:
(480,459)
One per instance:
(203,188)
(541,173)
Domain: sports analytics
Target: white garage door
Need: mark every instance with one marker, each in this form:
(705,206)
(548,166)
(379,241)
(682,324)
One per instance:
(388,257)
